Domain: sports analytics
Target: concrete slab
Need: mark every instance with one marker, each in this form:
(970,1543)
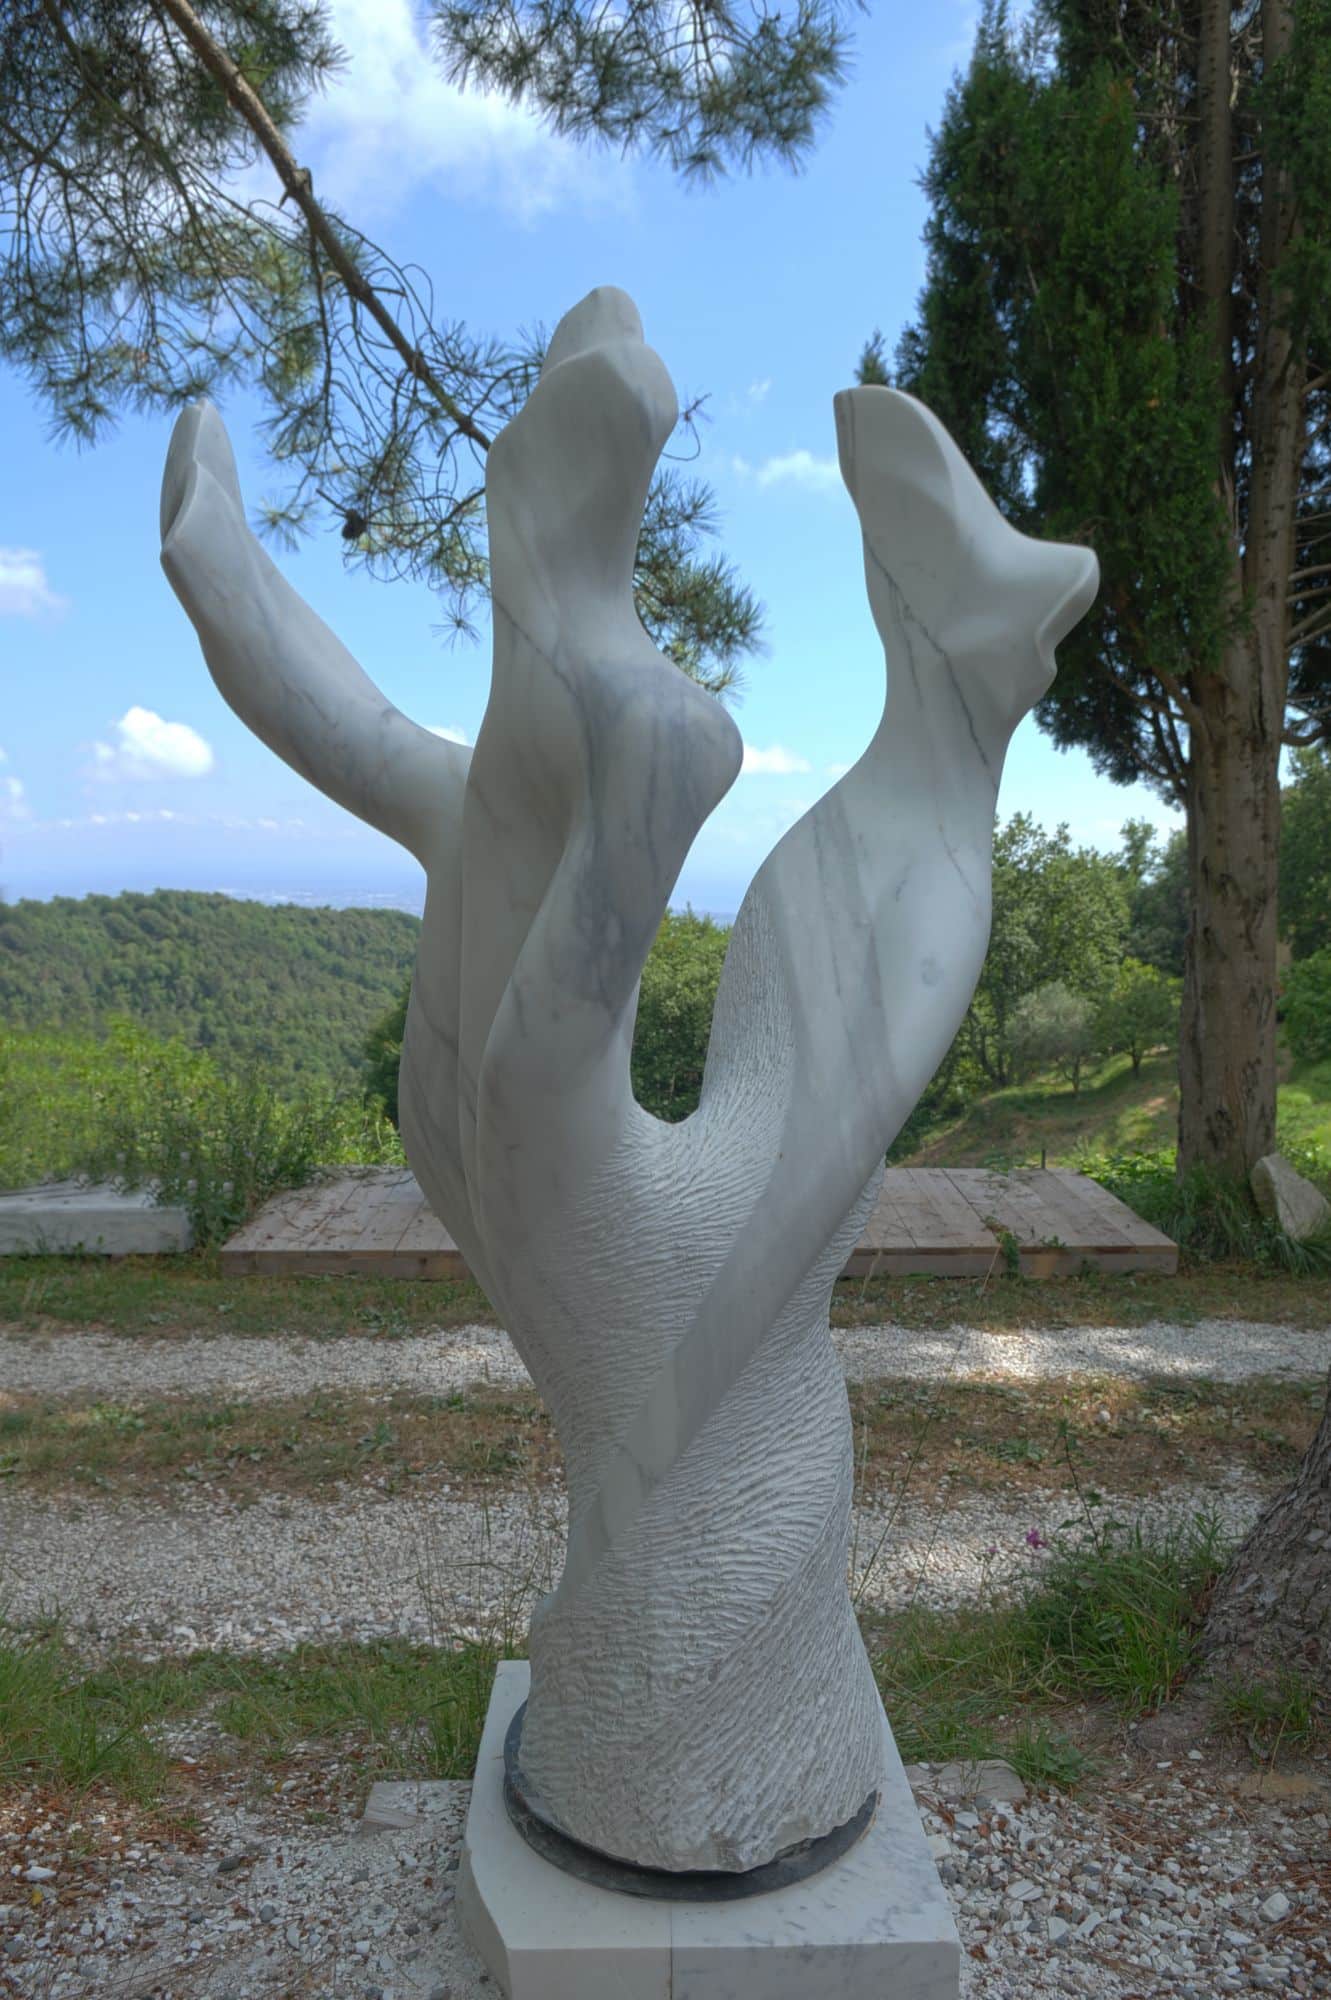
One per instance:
(875,1922)
(64,1216)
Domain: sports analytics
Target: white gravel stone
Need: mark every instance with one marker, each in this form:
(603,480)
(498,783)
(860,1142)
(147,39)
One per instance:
(205,1572)
(328,1915)
(58,1363)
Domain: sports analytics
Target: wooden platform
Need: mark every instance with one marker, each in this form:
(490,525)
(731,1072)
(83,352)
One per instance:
(956,1222)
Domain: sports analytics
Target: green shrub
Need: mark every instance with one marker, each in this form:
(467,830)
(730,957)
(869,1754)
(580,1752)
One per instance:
(675,1002)
(134,1110)
(1208,1216)
(383,1055)
(1110,1614)
(1052,1028)
(1138,1013)
(1306,992)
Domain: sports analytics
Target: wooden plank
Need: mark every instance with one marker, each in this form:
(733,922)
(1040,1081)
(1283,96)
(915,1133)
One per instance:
(291,1220)
(920,1225)
(378,1221)
(1109,1209)
(932,1220)
(1060,1227)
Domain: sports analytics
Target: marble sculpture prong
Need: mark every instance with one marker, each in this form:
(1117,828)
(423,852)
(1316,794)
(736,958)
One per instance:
(276,663)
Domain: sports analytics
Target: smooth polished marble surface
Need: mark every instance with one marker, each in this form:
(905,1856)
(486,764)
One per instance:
(700,1693)
(874,1924)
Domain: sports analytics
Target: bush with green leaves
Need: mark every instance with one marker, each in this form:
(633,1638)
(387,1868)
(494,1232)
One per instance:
(1305,853)
(135,1110)
(1138,1013)
(1306,992)
(1053,1028)
(1208,1216)
(675,1002)
(383,1055)
(1060,916)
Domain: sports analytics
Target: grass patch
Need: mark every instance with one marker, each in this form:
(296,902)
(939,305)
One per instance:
(1288,1712)
(1233,1290)
(404,1710)
(1111,1620)
(1113,1111)
(166,1297)
(163,1297)
(303,1445)
(992,1436)
(1115,1435)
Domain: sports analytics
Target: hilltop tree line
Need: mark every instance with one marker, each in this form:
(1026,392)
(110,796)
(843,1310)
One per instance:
(1085,959)
(287,992)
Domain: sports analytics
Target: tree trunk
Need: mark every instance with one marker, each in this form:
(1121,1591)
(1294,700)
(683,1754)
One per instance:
(1227,1054)
(1272,1609)
(1227,1075)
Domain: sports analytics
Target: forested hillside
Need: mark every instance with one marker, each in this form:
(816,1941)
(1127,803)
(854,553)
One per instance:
(288,990)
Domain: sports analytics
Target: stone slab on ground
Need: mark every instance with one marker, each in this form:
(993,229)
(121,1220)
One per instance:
(63,1216)
(877,1921)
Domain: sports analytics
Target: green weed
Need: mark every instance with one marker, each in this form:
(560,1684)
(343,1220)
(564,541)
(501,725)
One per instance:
(1286,1713)
(411,1710)
(1208,1216)
(1111,1617)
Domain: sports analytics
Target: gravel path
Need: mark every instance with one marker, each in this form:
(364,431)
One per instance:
(267,1575)
(1164,1885)
(65,1363)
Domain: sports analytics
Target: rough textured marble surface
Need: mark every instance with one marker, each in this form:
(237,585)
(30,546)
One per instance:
(876,1922)
(700,1695)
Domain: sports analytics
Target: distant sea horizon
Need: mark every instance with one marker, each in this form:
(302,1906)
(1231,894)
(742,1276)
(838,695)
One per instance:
(345,898)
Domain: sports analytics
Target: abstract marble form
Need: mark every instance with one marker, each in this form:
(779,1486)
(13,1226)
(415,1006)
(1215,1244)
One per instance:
(700,1696)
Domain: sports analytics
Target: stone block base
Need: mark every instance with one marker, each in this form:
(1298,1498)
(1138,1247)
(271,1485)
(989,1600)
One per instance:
(874,1925)
(66,1216)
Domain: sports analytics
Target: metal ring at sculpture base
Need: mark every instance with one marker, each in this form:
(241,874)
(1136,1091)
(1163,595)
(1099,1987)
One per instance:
(694,1885)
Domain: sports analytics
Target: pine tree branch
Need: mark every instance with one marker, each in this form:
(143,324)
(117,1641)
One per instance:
(296,181)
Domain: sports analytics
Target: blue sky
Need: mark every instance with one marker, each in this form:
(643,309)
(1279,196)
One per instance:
(123,768)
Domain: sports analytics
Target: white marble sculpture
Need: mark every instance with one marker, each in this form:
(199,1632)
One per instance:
(700,1694)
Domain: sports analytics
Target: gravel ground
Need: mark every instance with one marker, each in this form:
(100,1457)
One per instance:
(1166,1884)
(1159,1883)
(64,1363)
(280,1570)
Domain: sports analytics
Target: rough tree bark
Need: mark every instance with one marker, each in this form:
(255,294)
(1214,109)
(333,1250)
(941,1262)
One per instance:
(1227,1034)
(1271,1613)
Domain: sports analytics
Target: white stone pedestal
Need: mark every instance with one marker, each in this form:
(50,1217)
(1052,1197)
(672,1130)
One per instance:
(64,1216)
(873,1926)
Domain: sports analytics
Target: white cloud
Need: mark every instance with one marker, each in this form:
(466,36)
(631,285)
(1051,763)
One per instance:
(13,802)
(450,733)
(800,468)
(837,770)
(391,125)
(13,799)
(758,390)
(776,762)
(146,746)
(794,468)
(24,590)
